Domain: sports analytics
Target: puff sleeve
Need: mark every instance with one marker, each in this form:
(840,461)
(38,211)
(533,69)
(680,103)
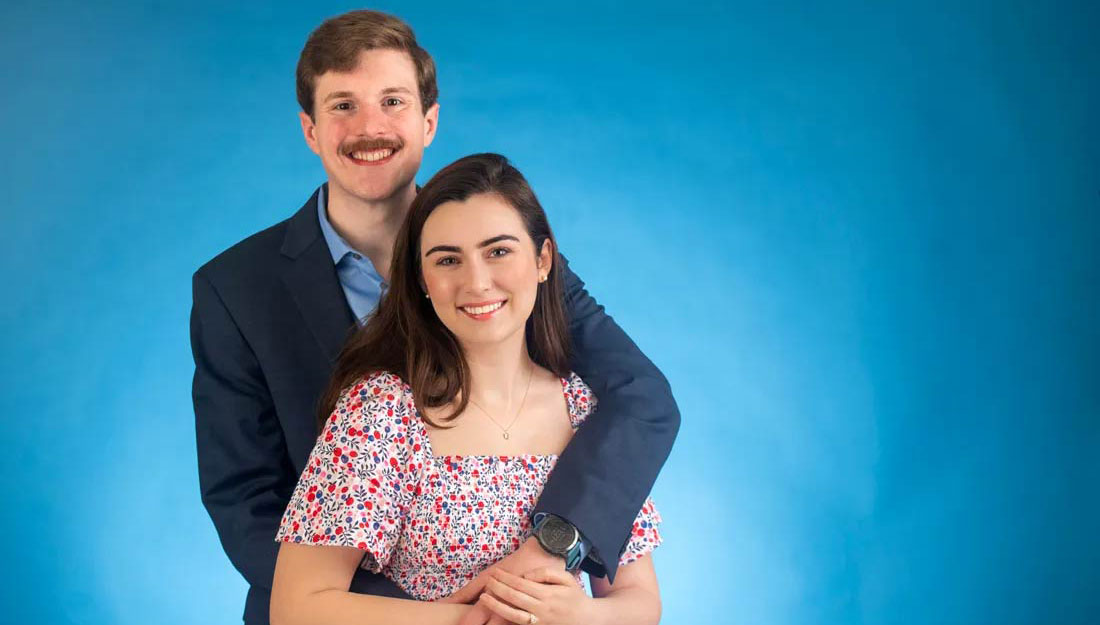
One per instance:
(644,536)
(362,475)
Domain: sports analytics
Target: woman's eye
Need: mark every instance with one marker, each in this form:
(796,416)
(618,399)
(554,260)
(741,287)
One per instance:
(447,261)
(497,252)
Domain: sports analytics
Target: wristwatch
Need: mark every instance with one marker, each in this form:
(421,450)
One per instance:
(560,538)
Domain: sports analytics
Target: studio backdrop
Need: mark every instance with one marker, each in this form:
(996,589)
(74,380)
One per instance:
(860,239)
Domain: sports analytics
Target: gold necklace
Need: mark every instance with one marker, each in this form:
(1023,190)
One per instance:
(504,430)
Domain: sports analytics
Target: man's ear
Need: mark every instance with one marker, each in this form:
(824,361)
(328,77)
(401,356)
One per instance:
(431,121)
(309,131)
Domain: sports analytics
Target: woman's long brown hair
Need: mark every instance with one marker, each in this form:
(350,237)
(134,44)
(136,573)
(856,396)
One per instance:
(404,336)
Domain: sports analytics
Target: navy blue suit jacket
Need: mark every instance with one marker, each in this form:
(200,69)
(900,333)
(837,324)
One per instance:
(268,321)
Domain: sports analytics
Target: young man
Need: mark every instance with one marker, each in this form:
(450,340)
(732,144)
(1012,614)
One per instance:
(271,313)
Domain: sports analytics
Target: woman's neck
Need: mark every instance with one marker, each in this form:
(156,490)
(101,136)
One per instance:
(499,373)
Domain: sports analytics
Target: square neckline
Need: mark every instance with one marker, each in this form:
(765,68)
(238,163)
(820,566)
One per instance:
(565,384)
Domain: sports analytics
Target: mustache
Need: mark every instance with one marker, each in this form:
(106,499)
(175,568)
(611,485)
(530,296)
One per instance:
(366,145)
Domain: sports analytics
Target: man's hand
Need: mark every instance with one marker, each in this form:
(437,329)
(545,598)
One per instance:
(529,557)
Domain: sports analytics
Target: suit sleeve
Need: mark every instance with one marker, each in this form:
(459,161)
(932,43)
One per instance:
(245,472)
(605,474)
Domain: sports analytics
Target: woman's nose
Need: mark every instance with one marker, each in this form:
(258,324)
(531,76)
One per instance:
(478,276)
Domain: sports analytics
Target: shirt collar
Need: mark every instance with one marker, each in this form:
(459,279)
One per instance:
(336,243)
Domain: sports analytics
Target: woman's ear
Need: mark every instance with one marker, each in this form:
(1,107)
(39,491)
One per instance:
(545,261)
(420,282)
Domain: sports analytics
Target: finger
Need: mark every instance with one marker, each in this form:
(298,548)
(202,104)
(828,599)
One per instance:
(477,616)
(469,592)
(512,596)
(505,611)
(535,589)
(547,575)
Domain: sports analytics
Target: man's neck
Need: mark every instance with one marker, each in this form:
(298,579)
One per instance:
(369,227)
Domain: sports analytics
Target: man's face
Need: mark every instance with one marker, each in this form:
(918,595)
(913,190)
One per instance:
(369,127)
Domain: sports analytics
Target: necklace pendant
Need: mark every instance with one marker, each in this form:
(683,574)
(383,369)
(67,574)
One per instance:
(505,436)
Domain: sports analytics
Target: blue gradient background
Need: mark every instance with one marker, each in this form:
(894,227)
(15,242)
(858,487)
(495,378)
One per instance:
(861,241)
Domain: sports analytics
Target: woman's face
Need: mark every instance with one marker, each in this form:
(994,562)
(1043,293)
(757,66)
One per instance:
(480,269)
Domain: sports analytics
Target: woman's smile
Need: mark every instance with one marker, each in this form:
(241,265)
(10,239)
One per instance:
(483,310)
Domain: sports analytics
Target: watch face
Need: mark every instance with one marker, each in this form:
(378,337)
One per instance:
(557,535)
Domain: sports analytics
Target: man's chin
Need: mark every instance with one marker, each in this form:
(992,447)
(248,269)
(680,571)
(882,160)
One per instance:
(377,192)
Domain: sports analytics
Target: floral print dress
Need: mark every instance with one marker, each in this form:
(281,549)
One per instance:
(429,523)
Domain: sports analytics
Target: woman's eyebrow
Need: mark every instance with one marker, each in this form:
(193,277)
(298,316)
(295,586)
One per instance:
(443,248)
(498,238)
(487,242)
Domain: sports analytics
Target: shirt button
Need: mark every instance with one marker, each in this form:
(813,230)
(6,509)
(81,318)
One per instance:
(356,256)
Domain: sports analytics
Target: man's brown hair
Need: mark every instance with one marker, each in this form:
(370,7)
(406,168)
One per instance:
(335,46)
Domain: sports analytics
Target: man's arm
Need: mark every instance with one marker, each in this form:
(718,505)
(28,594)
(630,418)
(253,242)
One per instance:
(604,475)
(244,471)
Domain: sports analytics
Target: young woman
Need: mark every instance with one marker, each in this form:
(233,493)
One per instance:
(443,419)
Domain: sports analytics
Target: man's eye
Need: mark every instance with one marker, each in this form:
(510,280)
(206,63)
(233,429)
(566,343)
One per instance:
(392,101)
(342,106)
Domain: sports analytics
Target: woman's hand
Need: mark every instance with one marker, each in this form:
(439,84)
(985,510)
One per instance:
(546,596)
(527,558)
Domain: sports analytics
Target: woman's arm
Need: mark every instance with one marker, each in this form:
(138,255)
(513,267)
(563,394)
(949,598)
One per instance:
(311,587)
(361,474)
(554,598)
(634,598)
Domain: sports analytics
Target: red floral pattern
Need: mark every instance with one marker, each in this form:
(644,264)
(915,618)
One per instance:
(429,523)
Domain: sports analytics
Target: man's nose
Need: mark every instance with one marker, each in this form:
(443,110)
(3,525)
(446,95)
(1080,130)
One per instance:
(372,121)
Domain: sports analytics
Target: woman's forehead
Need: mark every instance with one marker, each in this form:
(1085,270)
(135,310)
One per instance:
(472,221)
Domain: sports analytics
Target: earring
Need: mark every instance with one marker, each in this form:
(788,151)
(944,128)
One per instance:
(542,278)
(426,296)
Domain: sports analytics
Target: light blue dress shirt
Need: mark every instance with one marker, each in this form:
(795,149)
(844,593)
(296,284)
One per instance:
(361,282)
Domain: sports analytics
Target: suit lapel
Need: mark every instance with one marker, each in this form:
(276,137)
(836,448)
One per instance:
(311,279)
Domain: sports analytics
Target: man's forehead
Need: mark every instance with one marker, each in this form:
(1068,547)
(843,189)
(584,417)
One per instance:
(378,68)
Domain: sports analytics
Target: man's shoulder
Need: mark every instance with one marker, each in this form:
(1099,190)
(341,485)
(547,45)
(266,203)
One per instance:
(247,258)
(260,255)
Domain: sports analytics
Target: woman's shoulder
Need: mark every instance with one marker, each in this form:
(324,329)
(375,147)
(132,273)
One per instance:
(376,386)
(377,396)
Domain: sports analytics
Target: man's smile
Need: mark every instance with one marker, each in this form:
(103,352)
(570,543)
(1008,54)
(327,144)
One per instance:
(371,156)
(375,152)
